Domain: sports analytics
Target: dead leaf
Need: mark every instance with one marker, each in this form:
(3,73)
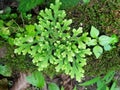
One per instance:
(21,83)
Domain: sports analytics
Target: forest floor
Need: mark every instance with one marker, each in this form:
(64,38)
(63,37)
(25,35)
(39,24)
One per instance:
(106,18)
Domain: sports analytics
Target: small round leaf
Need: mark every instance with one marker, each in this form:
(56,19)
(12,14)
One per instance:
(104,40)
(94,32)
(97,50)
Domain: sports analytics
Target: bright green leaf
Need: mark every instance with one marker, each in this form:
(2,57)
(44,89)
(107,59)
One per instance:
(92,42)
(5,70)
(30,29)
(77,32)
(104,40)
(5,31)
(109,76)
(62,88)
(107,47)
(107,88)
(90,82)
(114,39)
(113,87)
(9,23)
(36,79)
(101,85)
(1,23)
(53,86)
(86,1)
(81,45)
(75,88)
(94,32)
(97,50)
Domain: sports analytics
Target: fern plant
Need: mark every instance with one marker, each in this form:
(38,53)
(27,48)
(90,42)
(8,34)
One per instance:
(51,41)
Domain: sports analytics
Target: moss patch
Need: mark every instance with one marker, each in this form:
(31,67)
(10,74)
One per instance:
(16,62)
(105,16)
(108,61)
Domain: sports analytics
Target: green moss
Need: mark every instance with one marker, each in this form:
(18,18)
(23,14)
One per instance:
(108,61)
(16,62)
(101,14)
(104,15)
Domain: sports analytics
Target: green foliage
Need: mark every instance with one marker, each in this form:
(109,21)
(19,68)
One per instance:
(26,17)
(86,1)
(90,82)
(102,83)
(8,16)
(66,4)
(109,60)
(53,86)
(113,87)
(1,23)
(97,50)
(36,79)
(5,70)
(4,32)
(75,88)
(7,10)
(8,29)
(16,62)
(52,41)
(94,32)
(26,5)
(105,41)
(62,88)
(96,13)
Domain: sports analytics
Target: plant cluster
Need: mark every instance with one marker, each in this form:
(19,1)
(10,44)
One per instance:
(106,20)
(99,15)
(51,41)
(37,79)
(8,30)
(105,83)
(5,70)
(27,5)
(102,42)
